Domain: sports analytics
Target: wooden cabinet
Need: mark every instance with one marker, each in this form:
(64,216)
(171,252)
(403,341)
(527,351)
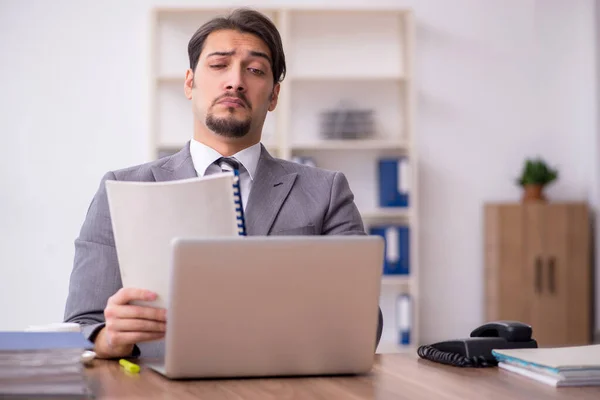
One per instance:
(538,269)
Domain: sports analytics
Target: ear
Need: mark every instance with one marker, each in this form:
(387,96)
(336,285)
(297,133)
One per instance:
(189,83)
(274,97)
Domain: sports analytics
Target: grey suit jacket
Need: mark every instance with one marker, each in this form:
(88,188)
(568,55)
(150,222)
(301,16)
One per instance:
(286,199)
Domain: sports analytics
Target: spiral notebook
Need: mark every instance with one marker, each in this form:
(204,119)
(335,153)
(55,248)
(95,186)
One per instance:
(147,216)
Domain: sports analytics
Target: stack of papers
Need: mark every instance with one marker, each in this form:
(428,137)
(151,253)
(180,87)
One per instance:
(562,366)
(42,364)
(147,216)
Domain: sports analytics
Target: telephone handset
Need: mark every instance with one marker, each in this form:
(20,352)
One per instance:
(476,351)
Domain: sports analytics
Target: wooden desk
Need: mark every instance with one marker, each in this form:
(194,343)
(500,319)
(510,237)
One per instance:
(394,376)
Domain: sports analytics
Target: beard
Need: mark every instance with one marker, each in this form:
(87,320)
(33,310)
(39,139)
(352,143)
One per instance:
(229,127)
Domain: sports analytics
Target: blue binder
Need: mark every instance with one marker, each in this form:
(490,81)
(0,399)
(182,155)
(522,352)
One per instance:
(394,181)
(397,248)
(304,161)
(403,318)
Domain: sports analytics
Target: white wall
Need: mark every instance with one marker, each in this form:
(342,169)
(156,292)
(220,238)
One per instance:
(497,81)
(72,106)
(569,107)
(596,175)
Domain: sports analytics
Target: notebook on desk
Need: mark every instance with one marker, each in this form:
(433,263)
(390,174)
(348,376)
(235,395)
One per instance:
(561,366)
(42,365)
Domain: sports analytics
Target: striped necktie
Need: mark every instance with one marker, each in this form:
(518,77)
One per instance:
(229,164)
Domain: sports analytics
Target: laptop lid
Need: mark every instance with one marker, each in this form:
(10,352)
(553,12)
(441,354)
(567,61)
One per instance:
(273,306)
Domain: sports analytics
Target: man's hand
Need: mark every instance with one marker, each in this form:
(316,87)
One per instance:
(128,324)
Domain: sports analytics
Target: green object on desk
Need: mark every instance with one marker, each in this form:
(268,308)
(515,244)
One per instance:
(129,366)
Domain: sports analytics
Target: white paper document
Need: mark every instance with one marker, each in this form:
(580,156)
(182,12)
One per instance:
(147,216)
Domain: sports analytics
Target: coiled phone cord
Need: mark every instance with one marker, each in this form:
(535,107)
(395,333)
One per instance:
(431,353)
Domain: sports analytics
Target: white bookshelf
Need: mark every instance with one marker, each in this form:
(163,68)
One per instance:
(358,56)
(356,144)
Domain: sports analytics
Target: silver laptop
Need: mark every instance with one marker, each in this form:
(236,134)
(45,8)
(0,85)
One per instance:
(272,306)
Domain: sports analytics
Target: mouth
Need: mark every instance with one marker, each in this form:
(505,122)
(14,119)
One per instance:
(232,102)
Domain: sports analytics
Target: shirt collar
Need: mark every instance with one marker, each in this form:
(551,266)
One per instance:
(203,156)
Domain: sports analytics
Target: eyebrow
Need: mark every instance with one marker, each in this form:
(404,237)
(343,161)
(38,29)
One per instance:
(260,54)
(232,52)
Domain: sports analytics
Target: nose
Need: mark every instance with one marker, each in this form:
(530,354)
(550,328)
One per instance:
(235,81)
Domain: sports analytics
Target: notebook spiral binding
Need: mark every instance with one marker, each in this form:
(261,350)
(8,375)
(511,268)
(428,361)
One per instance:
(237,198)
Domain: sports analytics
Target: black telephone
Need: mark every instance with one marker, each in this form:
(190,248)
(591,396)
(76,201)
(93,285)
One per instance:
(476,351)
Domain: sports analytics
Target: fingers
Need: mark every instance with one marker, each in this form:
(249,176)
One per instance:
(137,312)
(130,338)
(135,325)
(127,324)
(126,295)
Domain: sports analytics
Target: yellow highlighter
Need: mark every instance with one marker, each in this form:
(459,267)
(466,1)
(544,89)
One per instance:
(129,366)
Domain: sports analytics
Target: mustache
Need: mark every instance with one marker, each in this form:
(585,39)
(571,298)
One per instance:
(235,95)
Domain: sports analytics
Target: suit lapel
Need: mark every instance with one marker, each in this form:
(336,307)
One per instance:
(179,166)
(270,188)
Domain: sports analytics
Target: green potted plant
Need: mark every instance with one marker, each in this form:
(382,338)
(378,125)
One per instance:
(536,175)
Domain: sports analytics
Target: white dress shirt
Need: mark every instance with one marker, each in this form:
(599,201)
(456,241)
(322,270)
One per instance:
(204,157)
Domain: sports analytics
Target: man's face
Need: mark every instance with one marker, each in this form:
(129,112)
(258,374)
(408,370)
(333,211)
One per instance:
(232,88)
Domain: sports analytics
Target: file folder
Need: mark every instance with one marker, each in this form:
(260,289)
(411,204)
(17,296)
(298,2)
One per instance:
(397,248)
(394,182)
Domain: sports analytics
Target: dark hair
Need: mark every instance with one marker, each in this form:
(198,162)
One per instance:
(246,21)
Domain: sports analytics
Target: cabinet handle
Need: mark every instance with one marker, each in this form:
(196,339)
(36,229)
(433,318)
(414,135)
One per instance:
(538,275)
(551,274)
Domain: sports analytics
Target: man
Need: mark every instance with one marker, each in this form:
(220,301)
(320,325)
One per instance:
(236,66)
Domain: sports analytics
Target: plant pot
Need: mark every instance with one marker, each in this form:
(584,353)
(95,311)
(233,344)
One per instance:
(533,193)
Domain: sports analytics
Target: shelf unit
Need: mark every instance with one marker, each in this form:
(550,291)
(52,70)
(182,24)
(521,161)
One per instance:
(356,144)
(363,57)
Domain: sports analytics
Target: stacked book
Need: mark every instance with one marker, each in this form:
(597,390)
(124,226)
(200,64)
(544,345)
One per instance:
(561,366)
(42,364)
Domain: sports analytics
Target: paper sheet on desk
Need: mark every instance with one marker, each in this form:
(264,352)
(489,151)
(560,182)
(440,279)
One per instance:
(147,216)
